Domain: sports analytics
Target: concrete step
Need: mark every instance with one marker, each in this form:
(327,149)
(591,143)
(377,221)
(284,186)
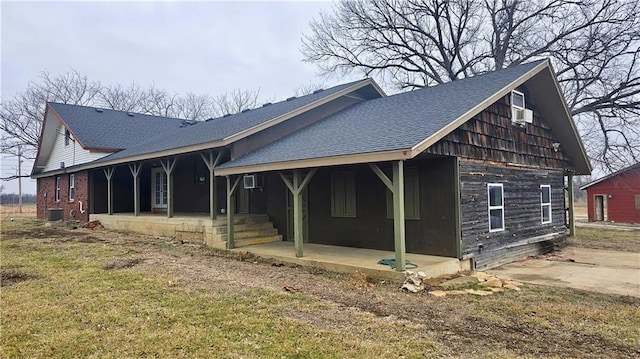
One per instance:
(256,240)
(247,234)
(244,227)
(242,219)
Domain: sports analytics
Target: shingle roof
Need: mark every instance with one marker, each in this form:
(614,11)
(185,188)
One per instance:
(222,127)
(395,122)
(109,128)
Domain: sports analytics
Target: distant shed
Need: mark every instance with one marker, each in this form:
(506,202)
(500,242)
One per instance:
(616,197)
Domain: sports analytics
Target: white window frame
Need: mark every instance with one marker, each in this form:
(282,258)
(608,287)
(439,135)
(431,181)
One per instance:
(57,191)
(513,105)
(543,204)
(72,187)
(500,207)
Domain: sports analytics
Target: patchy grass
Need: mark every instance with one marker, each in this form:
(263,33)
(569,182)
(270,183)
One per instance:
(608,239)
(78,293)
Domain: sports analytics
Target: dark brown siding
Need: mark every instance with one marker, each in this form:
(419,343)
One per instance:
(434,233)
(491,136)
(522,217)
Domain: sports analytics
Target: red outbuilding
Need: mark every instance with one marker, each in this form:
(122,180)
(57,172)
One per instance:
(616,197)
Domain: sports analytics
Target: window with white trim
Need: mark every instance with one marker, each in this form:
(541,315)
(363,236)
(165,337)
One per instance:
(343,194)
(545,203)
(495,195)
(517,100)
(57,189)
(72,187)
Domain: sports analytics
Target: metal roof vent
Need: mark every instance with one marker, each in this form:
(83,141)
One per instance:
(246,110)
(130,114)
(291,98)
(266,104)
(317,91)
(226,115)
(99,110)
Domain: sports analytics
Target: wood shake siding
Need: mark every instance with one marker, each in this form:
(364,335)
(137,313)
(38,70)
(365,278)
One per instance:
(492,136)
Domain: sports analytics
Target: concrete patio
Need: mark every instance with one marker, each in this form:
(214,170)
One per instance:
(349,260)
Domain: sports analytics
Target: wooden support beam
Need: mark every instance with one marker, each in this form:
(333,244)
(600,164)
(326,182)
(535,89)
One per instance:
(398,215)
(211,163)
(396,186)
(231,199)
(297,187)
(168,167)
(108,172)
(572,218)
(135,172)
(457,206)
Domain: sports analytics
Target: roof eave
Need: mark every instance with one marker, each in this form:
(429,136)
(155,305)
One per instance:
(358,158)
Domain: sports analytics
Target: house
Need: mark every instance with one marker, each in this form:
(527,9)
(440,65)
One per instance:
(473,169)
(615,197)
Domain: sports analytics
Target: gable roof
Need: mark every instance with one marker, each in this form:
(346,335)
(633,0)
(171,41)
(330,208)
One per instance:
(612,175)
(140,143)
(97,128)
(404,125)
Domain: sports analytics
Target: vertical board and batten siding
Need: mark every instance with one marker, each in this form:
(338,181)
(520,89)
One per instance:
(71,154)
(492,149)
(522,211)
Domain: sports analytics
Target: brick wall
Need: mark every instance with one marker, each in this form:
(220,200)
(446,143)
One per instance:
(71,209)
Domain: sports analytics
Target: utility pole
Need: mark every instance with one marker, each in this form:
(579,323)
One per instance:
(19,179)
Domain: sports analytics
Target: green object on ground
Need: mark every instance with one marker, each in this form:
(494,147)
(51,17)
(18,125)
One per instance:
(392,263)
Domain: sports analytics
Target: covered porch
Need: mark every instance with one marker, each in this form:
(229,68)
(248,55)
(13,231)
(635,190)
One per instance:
(349,259)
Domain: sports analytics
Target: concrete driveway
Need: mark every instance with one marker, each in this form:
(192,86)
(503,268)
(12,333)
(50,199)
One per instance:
(595,270)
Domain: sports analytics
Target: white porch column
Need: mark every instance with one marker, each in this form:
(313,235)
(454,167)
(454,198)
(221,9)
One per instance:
(135,172)
(296,187)
(108,172)
(231,199)
(211,163)
(396,186)
(168,167)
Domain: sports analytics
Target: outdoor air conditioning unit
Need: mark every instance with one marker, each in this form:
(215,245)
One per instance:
(521,116)
(252,181)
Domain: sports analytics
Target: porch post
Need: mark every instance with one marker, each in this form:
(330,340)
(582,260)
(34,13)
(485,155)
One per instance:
(135,172)
(108,172)
(296,189)
(211,164)
(398,214)
(396,186)
(572,221)
(168,169)
(231,199)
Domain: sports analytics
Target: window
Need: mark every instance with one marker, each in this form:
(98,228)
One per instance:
(637,197)
(411,195)
(343,194)
(496,207)
(545,203)
(67,136)
(72,187)
(517,100)
(57,188)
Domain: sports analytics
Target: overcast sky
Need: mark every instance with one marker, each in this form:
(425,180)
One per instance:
(199,47)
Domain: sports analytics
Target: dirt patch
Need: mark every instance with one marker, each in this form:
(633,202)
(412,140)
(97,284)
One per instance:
(89,239)
(122,263)
(11,276)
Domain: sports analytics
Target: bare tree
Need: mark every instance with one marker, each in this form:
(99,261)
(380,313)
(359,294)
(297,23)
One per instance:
(593,45)
(235,101)
(21,116)
(307,89)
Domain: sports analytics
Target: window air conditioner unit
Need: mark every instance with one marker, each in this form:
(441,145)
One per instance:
(252,181)
(521,116)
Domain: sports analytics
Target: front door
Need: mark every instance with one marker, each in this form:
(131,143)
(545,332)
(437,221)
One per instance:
(305,217)
(599,208)
(158,188)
